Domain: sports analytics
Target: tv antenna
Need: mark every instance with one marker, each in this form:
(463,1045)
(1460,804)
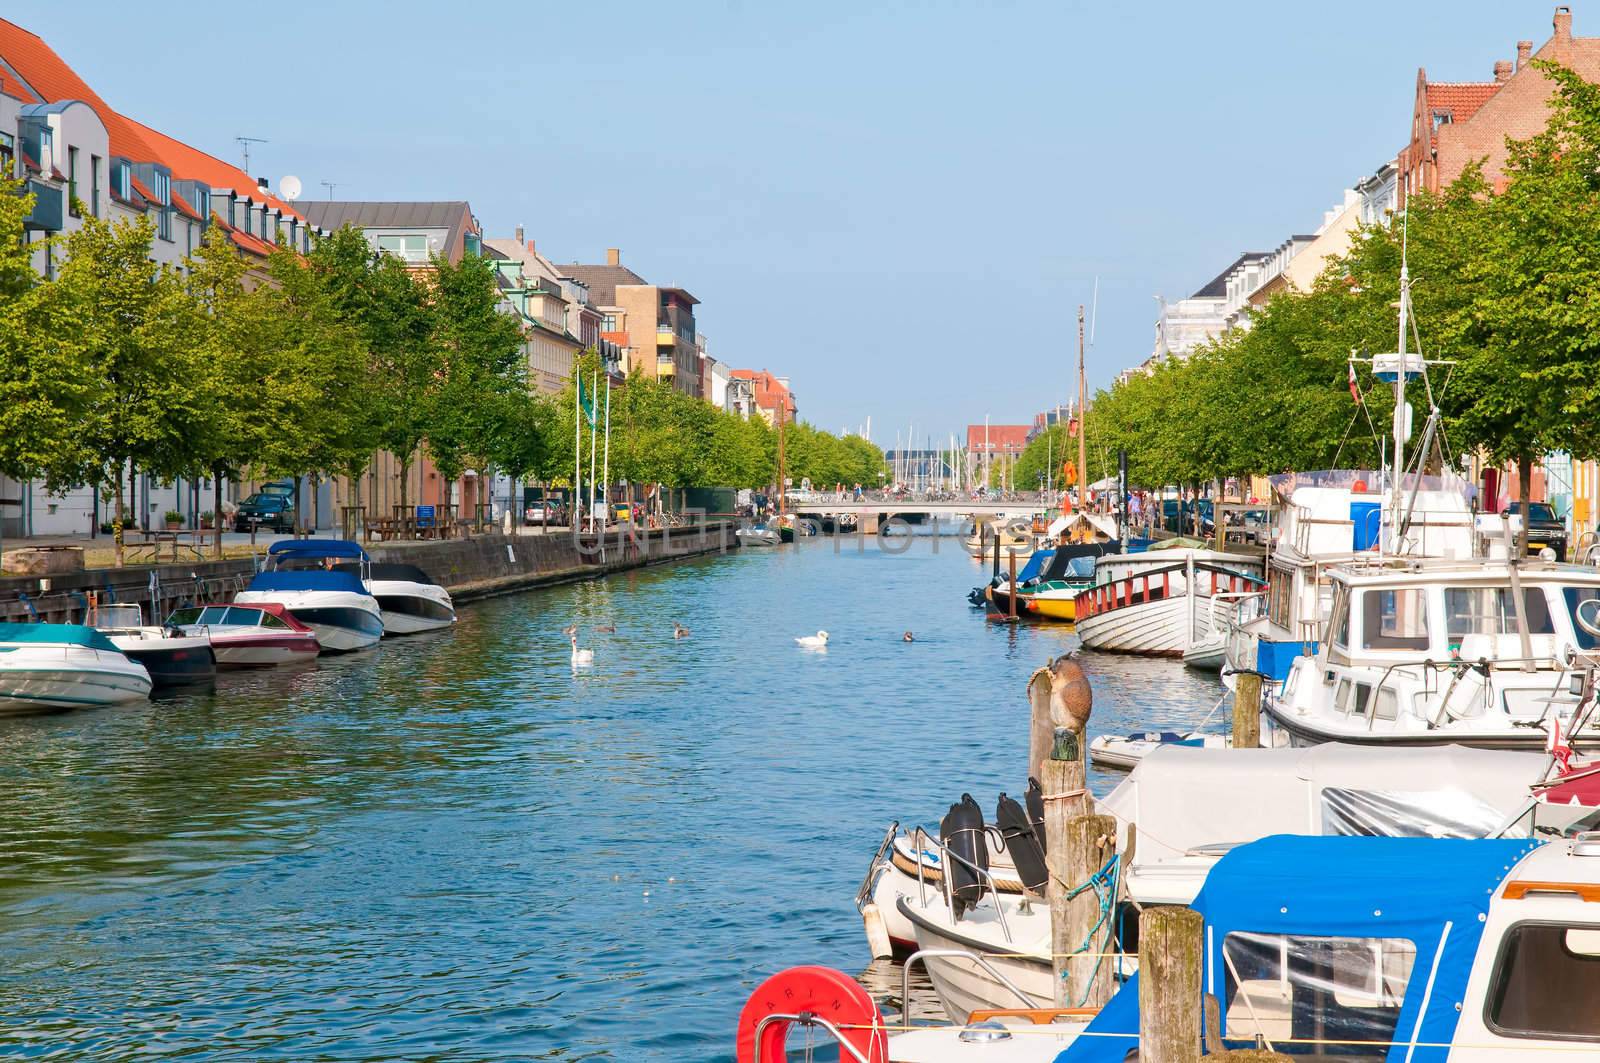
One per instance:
(330,186)
(245,142)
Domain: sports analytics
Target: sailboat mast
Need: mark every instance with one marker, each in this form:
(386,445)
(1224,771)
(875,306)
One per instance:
(1083,434)
(1400,408)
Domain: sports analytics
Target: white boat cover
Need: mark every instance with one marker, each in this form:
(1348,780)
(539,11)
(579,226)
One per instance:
(1182,798)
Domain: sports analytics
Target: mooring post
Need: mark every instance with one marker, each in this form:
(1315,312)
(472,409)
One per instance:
(1065,799)
(1012,595)
(1079,933)
(1169,984)
(1247,710)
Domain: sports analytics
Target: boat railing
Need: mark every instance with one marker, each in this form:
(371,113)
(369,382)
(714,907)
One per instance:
(806,1018)
(955,954)
(1239,601)
(1586,548)
(874,869)
(1429,668)
(948,859)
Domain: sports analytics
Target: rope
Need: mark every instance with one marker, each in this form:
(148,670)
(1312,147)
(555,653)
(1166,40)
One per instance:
(1064,795)
(1104,883)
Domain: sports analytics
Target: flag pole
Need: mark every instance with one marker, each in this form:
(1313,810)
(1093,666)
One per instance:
(577,449)
(593,387)
(605,465)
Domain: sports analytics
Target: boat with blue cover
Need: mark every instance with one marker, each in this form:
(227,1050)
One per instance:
(56,667)
(1380,950)
(324,584)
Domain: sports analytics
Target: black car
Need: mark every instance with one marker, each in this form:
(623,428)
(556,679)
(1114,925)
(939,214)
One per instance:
(263,510)
(1544,528)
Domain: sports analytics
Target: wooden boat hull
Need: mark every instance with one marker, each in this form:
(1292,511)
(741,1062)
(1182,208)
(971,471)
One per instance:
(1160,628)
(1049,606)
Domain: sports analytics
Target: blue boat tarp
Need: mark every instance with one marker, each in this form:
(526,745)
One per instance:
(309,579)
(1286,891)
(316,548)
(1035,565)
(57,634)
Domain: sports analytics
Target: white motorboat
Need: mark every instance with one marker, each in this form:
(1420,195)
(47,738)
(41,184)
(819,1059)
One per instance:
(758,535)
(56,667)
(1125,751)
(1331,518)
(1164,600)
(409,600)
(171,657)
(249,636)
(303,576)
(1484,950)
(1475,652)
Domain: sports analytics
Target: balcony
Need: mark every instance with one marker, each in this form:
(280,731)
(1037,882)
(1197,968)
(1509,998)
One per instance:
(666,368)
(48,208)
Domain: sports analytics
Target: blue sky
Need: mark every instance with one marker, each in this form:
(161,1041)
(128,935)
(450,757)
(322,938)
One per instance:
(896,205)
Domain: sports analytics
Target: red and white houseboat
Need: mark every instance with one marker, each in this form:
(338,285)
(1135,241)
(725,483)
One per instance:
(1162,601)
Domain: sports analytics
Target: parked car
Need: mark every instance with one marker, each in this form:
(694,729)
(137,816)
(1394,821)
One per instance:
(264,510)
(1544,528)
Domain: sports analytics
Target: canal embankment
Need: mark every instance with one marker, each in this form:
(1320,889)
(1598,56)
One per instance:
(470,569)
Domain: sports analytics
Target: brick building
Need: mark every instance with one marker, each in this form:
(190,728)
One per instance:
(1456,123)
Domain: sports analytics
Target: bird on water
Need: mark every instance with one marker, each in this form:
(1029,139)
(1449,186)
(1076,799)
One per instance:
(607,629)
(580,658)
(679,631)
(813,642)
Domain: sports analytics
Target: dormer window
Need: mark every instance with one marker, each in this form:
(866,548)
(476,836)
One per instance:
(1440,118)
(409,247)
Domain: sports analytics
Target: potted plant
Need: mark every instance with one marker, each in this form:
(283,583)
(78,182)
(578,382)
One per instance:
(208,519)
(174,520)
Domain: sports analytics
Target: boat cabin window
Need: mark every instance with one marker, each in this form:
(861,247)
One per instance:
(1315,989)
(1394,619)
(1340,618)
(268,620)
(243,617)
(1279,595)
(1545,983)
(1575,597)
(1492,611)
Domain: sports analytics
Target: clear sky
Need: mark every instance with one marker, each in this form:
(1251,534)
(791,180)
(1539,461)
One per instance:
(896,205)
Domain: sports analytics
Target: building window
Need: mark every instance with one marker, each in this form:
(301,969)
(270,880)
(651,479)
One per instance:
(164,222)
(202,203)
(247,215)
(94,185)
(72,181)
(46,149)
(410,247)
(8,154)
(608,323)
(188,237)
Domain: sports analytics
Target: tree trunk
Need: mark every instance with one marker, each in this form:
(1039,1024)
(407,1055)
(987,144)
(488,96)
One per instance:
(316,503)
(405,483)
(216,506)
(116,518)
(133,494)
(299,510)
(1524,489)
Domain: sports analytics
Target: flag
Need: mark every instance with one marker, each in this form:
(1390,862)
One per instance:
(586,402)
(1355,391)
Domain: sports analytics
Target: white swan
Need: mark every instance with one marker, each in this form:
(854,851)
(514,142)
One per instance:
(813,642)
(581,658)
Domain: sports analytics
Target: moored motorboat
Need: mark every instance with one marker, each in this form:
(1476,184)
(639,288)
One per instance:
(1125,751)
(302,575)
(56,667)
(409,600)
(248,636)
(758,535)
(171,657)
(1156,602)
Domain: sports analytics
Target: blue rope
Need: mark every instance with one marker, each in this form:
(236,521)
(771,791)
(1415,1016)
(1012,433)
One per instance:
(1104,883)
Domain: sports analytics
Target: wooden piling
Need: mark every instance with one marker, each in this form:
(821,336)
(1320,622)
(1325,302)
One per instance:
(1247,710)
(1170,942)
(1080,927)
(1012,596)
(1061,776)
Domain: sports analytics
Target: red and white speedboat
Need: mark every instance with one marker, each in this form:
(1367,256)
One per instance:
(257,635)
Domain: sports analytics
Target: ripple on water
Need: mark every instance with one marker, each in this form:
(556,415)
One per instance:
(456,847)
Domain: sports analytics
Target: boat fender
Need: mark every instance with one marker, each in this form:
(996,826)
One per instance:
(877,931)
(1035,799)
(1026,852)
(821,991)
(962,832)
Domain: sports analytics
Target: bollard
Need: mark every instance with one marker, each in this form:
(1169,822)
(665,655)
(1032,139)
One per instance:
(1091,841)
(1012,596)
(1061,775)
(1247,710)
(1170,941)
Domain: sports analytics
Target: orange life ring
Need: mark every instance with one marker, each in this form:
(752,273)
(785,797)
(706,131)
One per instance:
(821,991)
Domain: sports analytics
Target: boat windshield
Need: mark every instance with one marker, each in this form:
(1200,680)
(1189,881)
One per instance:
(1576,596)
(1394,619)
(1316,990)
(1492,611)
(184,617)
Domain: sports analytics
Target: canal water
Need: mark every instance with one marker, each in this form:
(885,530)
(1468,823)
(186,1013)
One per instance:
(453,847)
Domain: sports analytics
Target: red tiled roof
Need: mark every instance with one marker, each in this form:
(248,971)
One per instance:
(48,76)
(184,208)
(769,390)
(13,88)
(1461,98)
(619,338)
(1000,437)
(195,165)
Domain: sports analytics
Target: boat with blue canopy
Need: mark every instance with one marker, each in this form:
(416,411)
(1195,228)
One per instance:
(326,585)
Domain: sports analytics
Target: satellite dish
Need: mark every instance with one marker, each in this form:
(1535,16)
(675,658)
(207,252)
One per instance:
(290,188)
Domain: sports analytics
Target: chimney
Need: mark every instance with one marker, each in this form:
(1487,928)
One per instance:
(519,234)
(1502,70)
(613,256)
(1524,49)
(261,183)
(1563,23)
(531,248)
